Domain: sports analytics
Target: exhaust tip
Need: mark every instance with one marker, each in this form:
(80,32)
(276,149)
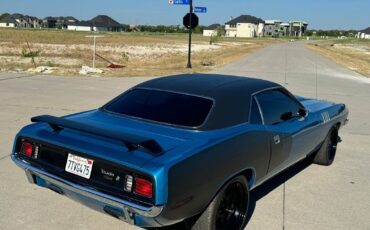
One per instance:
(56,189)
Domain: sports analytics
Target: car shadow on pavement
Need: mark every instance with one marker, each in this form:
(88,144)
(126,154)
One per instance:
(273,183)
(257,193)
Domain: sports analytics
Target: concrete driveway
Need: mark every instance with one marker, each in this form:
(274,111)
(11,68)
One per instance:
(336,197)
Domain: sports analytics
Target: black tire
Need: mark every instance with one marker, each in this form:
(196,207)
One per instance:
(326,154)
(229,208)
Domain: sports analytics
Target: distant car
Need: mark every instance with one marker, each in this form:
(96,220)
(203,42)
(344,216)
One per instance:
(179,147)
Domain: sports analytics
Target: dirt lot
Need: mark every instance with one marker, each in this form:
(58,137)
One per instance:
(141,54)
(351,53)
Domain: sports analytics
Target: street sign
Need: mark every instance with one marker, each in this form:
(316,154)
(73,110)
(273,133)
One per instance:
(179,2)
(200,9)
(194,21)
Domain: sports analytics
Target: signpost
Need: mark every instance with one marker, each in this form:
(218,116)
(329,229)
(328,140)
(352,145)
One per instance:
(198,9)
(194,21)
(190,32)
(179,2)
(190,20)
(94,49)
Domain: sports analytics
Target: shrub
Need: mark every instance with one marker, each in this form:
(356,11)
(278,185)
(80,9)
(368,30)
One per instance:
(30,54)
(50,64)
(125,57)
(213,39)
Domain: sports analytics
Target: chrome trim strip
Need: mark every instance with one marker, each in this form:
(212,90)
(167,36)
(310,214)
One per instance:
(127,206)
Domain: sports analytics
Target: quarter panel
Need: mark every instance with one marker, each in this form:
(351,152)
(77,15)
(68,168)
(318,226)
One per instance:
(194,181)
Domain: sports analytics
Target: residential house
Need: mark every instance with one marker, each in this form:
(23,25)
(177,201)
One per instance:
(49,22)
(105,23)
(100,23)
(284,29)
(58,22)
(272,28)
(245,26)
(8,22)
(33,22)
(364,34)
(297,28)
(212,30)
(20,21)
(80,26)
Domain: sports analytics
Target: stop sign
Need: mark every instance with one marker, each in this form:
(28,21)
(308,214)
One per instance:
(194,21)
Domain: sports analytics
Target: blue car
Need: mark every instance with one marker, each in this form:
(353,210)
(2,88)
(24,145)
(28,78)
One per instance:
(179,148)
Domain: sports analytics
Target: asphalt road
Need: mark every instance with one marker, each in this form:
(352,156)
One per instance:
(317,197)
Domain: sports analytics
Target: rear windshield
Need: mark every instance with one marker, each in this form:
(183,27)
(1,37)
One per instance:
(162,106)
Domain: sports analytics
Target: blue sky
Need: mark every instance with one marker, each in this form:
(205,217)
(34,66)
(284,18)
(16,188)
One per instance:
(320,14)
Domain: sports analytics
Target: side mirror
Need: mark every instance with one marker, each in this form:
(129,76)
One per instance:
(286,116)
(302,112)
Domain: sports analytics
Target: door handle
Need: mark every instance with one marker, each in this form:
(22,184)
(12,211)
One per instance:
(277,139)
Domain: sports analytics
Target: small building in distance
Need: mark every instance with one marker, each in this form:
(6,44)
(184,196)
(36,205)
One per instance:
(284,29)
(245,26)
(101,23)
(58,22)
(363,34)
(105,23)
(20,21)
(272,28)
(297,28)
(8,22)
(80,26)
(212,30)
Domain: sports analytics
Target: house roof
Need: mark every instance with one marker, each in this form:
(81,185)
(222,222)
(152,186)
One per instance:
(104,21)
(245,19)
(366,31)
(213,27)
(17,16)
(303,22)
(8,19)
(70,18)
(272,21)
(80,23)
(50,18)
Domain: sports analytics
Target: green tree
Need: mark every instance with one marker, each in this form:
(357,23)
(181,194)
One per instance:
(4,15)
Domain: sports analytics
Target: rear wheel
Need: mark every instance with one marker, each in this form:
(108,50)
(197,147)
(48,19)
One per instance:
(326,154)
(229,208)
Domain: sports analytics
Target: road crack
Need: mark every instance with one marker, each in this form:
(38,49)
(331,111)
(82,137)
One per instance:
(4,157)
(19,77)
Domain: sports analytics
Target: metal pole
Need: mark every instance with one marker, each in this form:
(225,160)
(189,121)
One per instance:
(94,52)
(190,32)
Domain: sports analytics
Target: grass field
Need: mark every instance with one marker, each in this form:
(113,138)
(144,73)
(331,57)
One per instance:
(351,53)
(142,54)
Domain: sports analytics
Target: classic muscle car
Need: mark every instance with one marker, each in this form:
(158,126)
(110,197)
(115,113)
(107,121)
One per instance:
(179,147)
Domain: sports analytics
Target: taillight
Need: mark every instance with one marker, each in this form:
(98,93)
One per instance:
(143,187)
(27,149)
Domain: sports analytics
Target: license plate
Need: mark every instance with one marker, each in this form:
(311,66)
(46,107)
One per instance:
(79,166)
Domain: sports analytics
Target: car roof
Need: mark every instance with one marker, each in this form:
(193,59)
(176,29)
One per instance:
(232,94)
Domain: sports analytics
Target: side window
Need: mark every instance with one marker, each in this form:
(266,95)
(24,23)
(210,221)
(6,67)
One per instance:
(255,115)
(274,104)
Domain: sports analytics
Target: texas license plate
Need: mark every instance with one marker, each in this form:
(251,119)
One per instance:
(79,166)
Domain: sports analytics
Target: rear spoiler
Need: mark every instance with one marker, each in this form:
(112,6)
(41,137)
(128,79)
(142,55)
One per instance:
(131,141)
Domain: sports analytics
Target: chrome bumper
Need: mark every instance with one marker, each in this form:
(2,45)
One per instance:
(129,208)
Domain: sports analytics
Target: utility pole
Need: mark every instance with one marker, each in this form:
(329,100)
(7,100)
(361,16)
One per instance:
(190,32)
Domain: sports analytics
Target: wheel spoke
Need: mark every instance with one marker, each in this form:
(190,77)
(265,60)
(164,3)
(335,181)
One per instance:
(232,209)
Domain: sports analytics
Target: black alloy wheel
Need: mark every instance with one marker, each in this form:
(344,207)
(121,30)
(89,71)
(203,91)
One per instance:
(233,208)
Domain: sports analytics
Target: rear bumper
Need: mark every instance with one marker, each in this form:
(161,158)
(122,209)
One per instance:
(127,211)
